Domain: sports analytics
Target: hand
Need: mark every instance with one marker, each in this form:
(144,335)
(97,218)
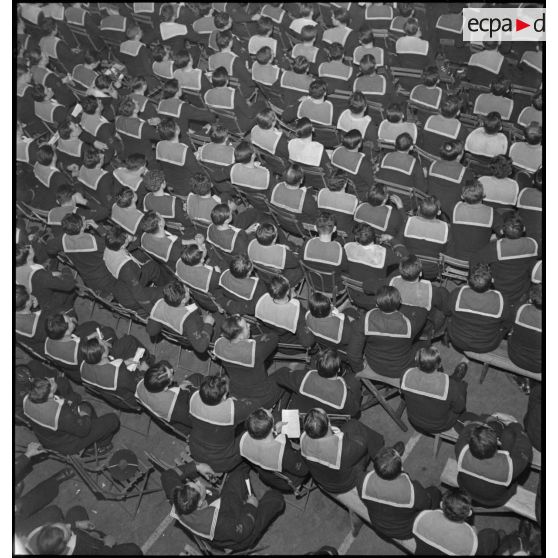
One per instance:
(79,198)
(100,145)
(85,524)
(504,418)
(385,238)
(200,240)
(154,121)
(129,361)
(256,17)
(252,500)
(279,426)
(109,540)
(91,223)
(208,319)
(185,384)
(34,448)
(205,470)
(252,228)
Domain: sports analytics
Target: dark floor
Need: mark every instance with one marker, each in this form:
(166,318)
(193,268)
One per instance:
(296,531)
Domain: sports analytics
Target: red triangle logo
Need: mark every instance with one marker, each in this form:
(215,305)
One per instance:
(519,25)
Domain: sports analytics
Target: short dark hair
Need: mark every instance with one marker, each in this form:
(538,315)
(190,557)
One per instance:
(65,192)
(220,77)
(450,106)
(220,214)
(501,166)
(192,255)
(91,156)
(56,326)
(457,505)
(319,305)
(278,287)
(91,350)
(410,267)
(364,234)
(185,499)
(336,51)
(294,175)
(513,227)
(403,142)
(135,161)
(316,423)
(167,128)
(303,127)
(351,139)
(430,76)
(317,89)
(388,299)
(536,296)
(367,64)
(483,441)
(21,297)
(153,180)
(325,223)
(533,133)
(328,364)
(181,59)
(300,63)
(90,104)
(170,88)
(243,152)
(411,26)
(231,327)
(500,86)
(150,222)
(45,155)
(537,100)
(337,180)
(240,266)
(22,253)
(50,539)
(124,197)
(366,34)
(72,223)
(308,33)
(377,194)
(200,184)
(266,234)
(472,192)
(265,25)
(213,388)
(156,378)
(450,150)
(218,133)
(480,278)
(115,238)
(388,464)
(357,102)
(428,359)
(266,119)
(259,424)
(492,122)
(429,207)
(223,38)
(126,106)
(174,293)
(394,113)
(221,19)
(264,55)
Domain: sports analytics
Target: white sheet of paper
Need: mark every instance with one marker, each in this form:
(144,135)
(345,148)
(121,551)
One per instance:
(291,428)
(77,109)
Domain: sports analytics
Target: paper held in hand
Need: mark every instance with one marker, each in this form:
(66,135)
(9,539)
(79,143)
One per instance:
(291,426)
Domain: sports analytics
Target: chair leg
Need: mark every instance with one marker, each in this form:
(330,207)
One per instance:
(356,523)
(129,326)
(484,372)
(381,399)
(436,447)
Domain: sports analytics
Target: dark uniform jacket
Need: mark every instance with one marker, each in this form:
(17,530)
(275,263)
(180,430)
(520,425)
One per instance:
(434,400)
(525,339)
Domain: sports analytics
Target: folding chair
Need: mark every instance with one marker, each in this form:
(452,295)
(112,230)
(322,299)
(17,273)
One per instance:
(33,214)
(266,274)
(408,196)
(314,177)
(430,262)
(353,286)
(407,78)
(291,224)
(165,425)
(229,120)
(272,96)
(194,97)
(328,136)
(275,163)
(453,269)
(84,38)
(112,398)
(300,491)
(391,387)
(324,282)
(478,164)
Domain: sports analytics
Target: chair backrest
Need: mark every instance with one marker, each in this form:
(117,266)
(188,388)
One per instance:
(194,97)
(324,282)
(273,96)
(267,274)
(111,398)
(164,424)
(288,221)
(454,269)
(314,177)
(175,338)
(431,261)
(328,136)
(412,195)
(229,120)
(31,213)
(206,301)
(274,162)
